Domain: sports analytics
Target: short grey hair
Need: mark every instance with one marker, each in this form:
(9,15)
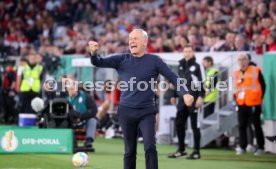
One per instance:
(145,34)
(244,55)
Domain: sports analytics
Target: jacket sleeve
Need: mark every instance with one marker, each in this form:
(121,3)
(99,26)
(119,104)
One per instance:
(262,82)
(174,93)
(179,84)
(216,78)
(199,76)
(109,62)
(91,108)
(43,74)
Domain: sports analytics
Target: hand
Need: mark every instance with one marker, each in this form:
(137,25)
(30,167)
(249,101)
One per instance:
(188,99)
(199,102)
(93,47)
(173,101)
(74,115)
(11,93)
(16,89)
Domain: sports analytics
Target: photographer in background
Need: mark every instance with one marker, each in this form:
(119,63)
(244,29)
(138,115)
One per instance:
(83,110)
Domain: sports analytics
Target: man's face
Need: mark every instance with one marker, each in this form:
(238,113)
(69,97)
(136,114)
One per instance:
(188,53)
(269,40)
(267,22)
(239,42)
(243,61)
(72,87)
(261,9)
(32,58)
(230,38)
(206,64)
(8,68)
(137,43)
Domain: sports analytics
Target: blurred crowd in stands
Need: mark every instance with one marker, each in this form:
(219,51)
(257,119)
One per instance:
(65,26)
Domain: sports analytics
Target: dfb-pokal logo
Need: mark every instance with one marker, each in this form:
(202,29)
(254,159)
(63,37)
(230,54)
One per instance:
(9,141)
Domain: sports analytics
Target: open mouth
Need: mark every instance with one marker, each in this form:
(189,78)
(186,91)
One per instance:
(133,47)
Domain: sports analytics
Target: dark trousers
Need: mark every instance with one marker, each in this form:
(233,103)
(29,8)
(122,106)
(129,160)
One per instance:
(132,120)
(25,99)
(209,109)
(247,115)
(181,119)
(10,113)
(250,134)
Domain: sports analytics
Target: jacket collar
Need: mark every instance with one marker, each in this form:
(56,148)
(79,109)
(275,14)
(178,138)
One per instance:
(189,62)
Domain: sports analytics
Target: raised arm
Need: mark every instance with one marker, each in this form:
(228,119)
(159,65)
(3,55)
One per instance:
(110,62)
(179,84)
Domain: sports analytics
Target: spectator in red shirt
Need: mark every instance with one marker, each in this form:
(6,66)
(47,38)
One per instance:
(5,22)
(259,43)
(266,24)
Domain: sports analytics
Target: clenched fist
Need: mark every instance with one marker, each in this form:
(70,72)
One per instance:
(188,99)
(93,47)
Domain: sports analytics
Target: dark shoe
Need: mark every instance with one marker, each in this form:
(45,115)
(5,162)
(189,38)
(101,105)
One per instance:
(88,142)
(194,156)
(178,154)
(271,138)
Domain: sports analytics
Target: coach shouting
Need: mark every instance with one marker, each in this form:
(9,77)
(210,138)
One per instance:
(137,105)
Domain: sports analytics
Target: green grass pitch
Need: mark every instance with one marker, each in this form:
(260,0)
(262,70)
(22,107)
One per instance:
(109,155)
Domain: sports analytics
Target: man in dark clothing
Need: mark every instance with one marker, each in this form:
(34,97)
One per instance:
(137,105)
(8,93)
(190,71)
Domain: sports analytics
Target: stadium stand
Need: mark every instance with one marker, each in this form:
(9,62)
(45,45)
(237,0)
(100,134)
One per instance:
(68,25)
